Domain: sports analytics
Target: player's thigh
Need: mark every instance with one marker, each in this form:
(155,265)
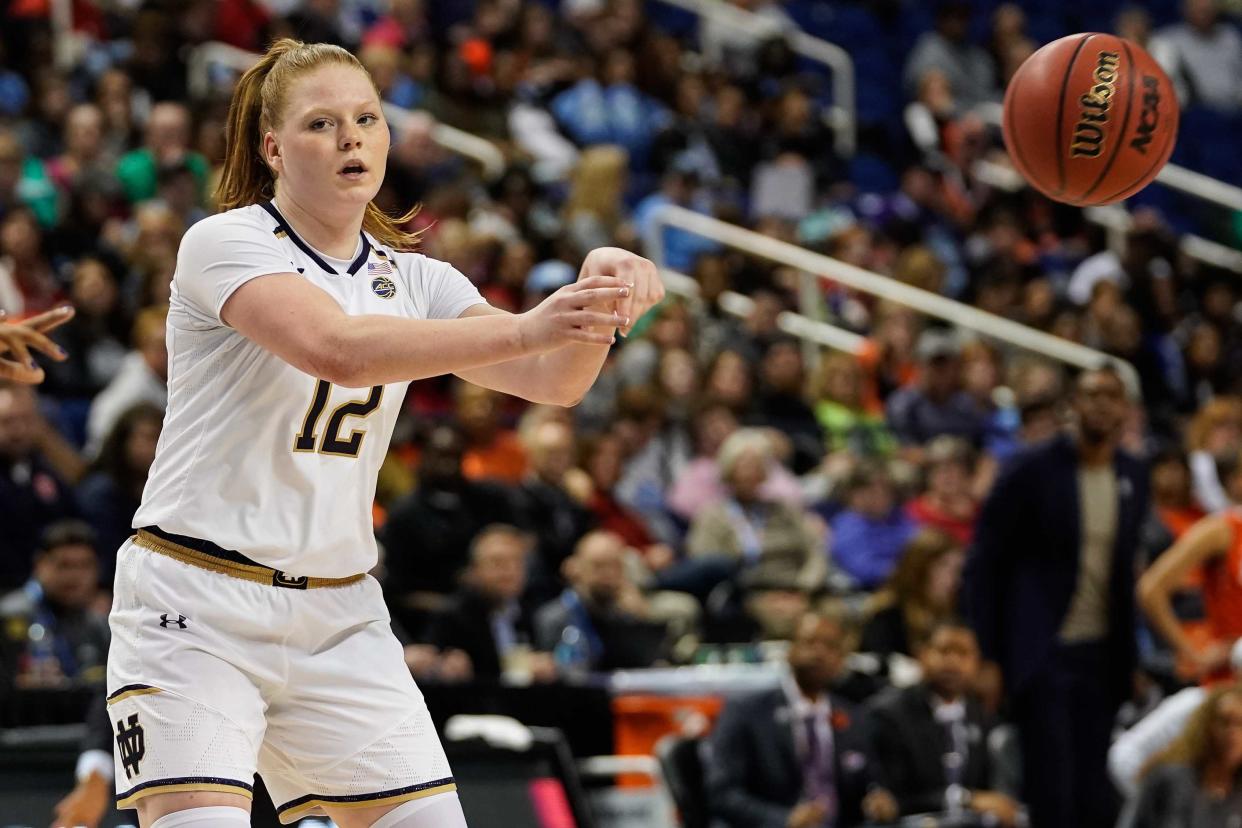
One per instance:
(184,700)
(161,805)
(350,726)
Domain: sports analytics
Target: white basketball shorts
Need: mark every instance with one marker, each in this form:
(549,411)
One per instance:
(214,675)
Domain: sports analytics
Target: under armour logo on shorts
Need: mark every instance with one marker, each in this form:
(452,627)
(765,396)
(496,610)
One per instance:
(130,743)
(166,619)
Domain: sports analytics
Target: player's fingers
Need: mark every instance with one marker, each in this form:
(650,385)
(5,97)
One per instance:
(51,320)
(34,339)
(14,342)
(592,282)
(590,337)
(27,374)
(586,318)
(598,296)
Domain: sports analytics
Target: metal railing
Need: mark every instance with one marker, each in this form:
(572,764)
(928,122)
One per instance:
(741,306)
(1117,220)
(842,115)
(478,149)
(818,267)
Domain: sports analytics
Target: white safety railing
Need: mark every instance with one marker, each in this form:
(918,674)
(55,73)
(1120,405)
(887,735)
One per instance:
(795,324)
(199,81)
(1117,220)
(842,115)
(1173,176)
(817,266)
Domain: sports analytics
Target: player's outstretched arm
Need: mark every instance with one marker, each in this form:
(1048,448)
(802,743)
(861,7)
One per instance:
(563,376)
(17,340)
(304,326)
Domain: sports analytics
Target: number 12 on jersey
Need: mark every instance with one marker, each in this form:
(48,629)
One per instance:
(332,442)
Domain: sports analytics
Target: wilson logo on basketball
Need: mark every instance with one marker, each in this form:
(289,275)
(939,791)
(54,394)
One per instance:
(1089,131)
(1149,118)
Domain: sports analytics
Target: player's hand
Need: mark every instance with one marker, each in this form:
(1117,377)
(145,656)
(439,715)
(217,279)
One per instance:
(647,288)
(84,805)
(999,806)
(573,315)
(17,340)
(879,806)
(455,666)
(1211,658)
(806,815)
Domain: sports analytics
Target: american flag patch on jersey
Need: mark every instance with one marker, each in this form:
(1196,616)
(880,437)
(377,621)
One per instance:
(376,268)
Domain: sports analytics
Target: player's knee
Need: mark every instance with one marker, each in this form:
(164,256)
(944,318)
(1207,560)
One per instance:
(439,811)
(212,816)
(154,811)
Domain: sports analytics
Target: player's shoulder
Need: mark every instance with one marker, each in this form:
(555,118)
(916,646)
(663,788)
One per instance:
(226,225)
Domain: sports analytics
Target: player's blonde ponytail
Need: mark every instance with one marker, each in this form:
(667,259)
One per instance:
(258,106)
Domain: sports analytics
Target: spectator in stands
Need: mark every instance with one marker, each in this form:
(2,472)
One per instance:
(782,402)
(428,532)
(166,141)
(1195,781)
(605,107)
(1213,545)
(548,510)
(848,418)
(33,492)
(795,756)
(24,181)
(1214,435)
(933,740)
(94,339)
(947,503)
(85,151)
(922,591)
(1203,56)
(486,619)
(52,636)
(28,285)
(111,492)
(765,539)
(870,534)
(492,451)
(949,50)
(597,623)
(937,404)
(602,458)
(143,378)
(1047,588)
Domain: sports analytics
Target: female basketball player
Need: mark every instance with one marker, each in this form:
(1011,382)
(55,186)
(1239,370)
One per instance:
(245,636)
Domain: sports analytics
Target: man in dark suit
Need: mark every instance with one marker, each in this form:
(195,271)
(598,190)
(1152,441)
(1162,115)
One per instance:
(932,739)
(795,756)
(485,619)
(1049,590)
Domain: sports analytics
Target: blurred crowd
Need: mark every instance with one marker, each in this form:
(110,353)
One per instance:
(722,484)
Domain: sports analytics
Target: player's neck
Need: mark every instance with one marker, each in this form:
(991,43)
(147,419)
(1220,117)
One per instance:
(336,236)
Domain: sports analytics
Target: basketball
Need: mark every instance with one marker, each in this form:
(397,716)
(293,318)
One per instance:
(1090,119)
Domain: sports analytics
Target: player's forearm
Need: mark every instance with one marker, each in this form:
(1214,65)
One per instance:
(566,374)
(374,350)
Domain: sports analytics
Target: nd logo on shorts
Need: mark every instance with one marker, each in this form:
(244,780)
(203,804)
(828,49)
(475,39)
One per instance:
(131,744)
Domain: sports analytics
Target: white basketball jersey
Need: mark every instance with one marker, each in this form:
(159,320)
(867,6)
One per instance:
(255,455)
